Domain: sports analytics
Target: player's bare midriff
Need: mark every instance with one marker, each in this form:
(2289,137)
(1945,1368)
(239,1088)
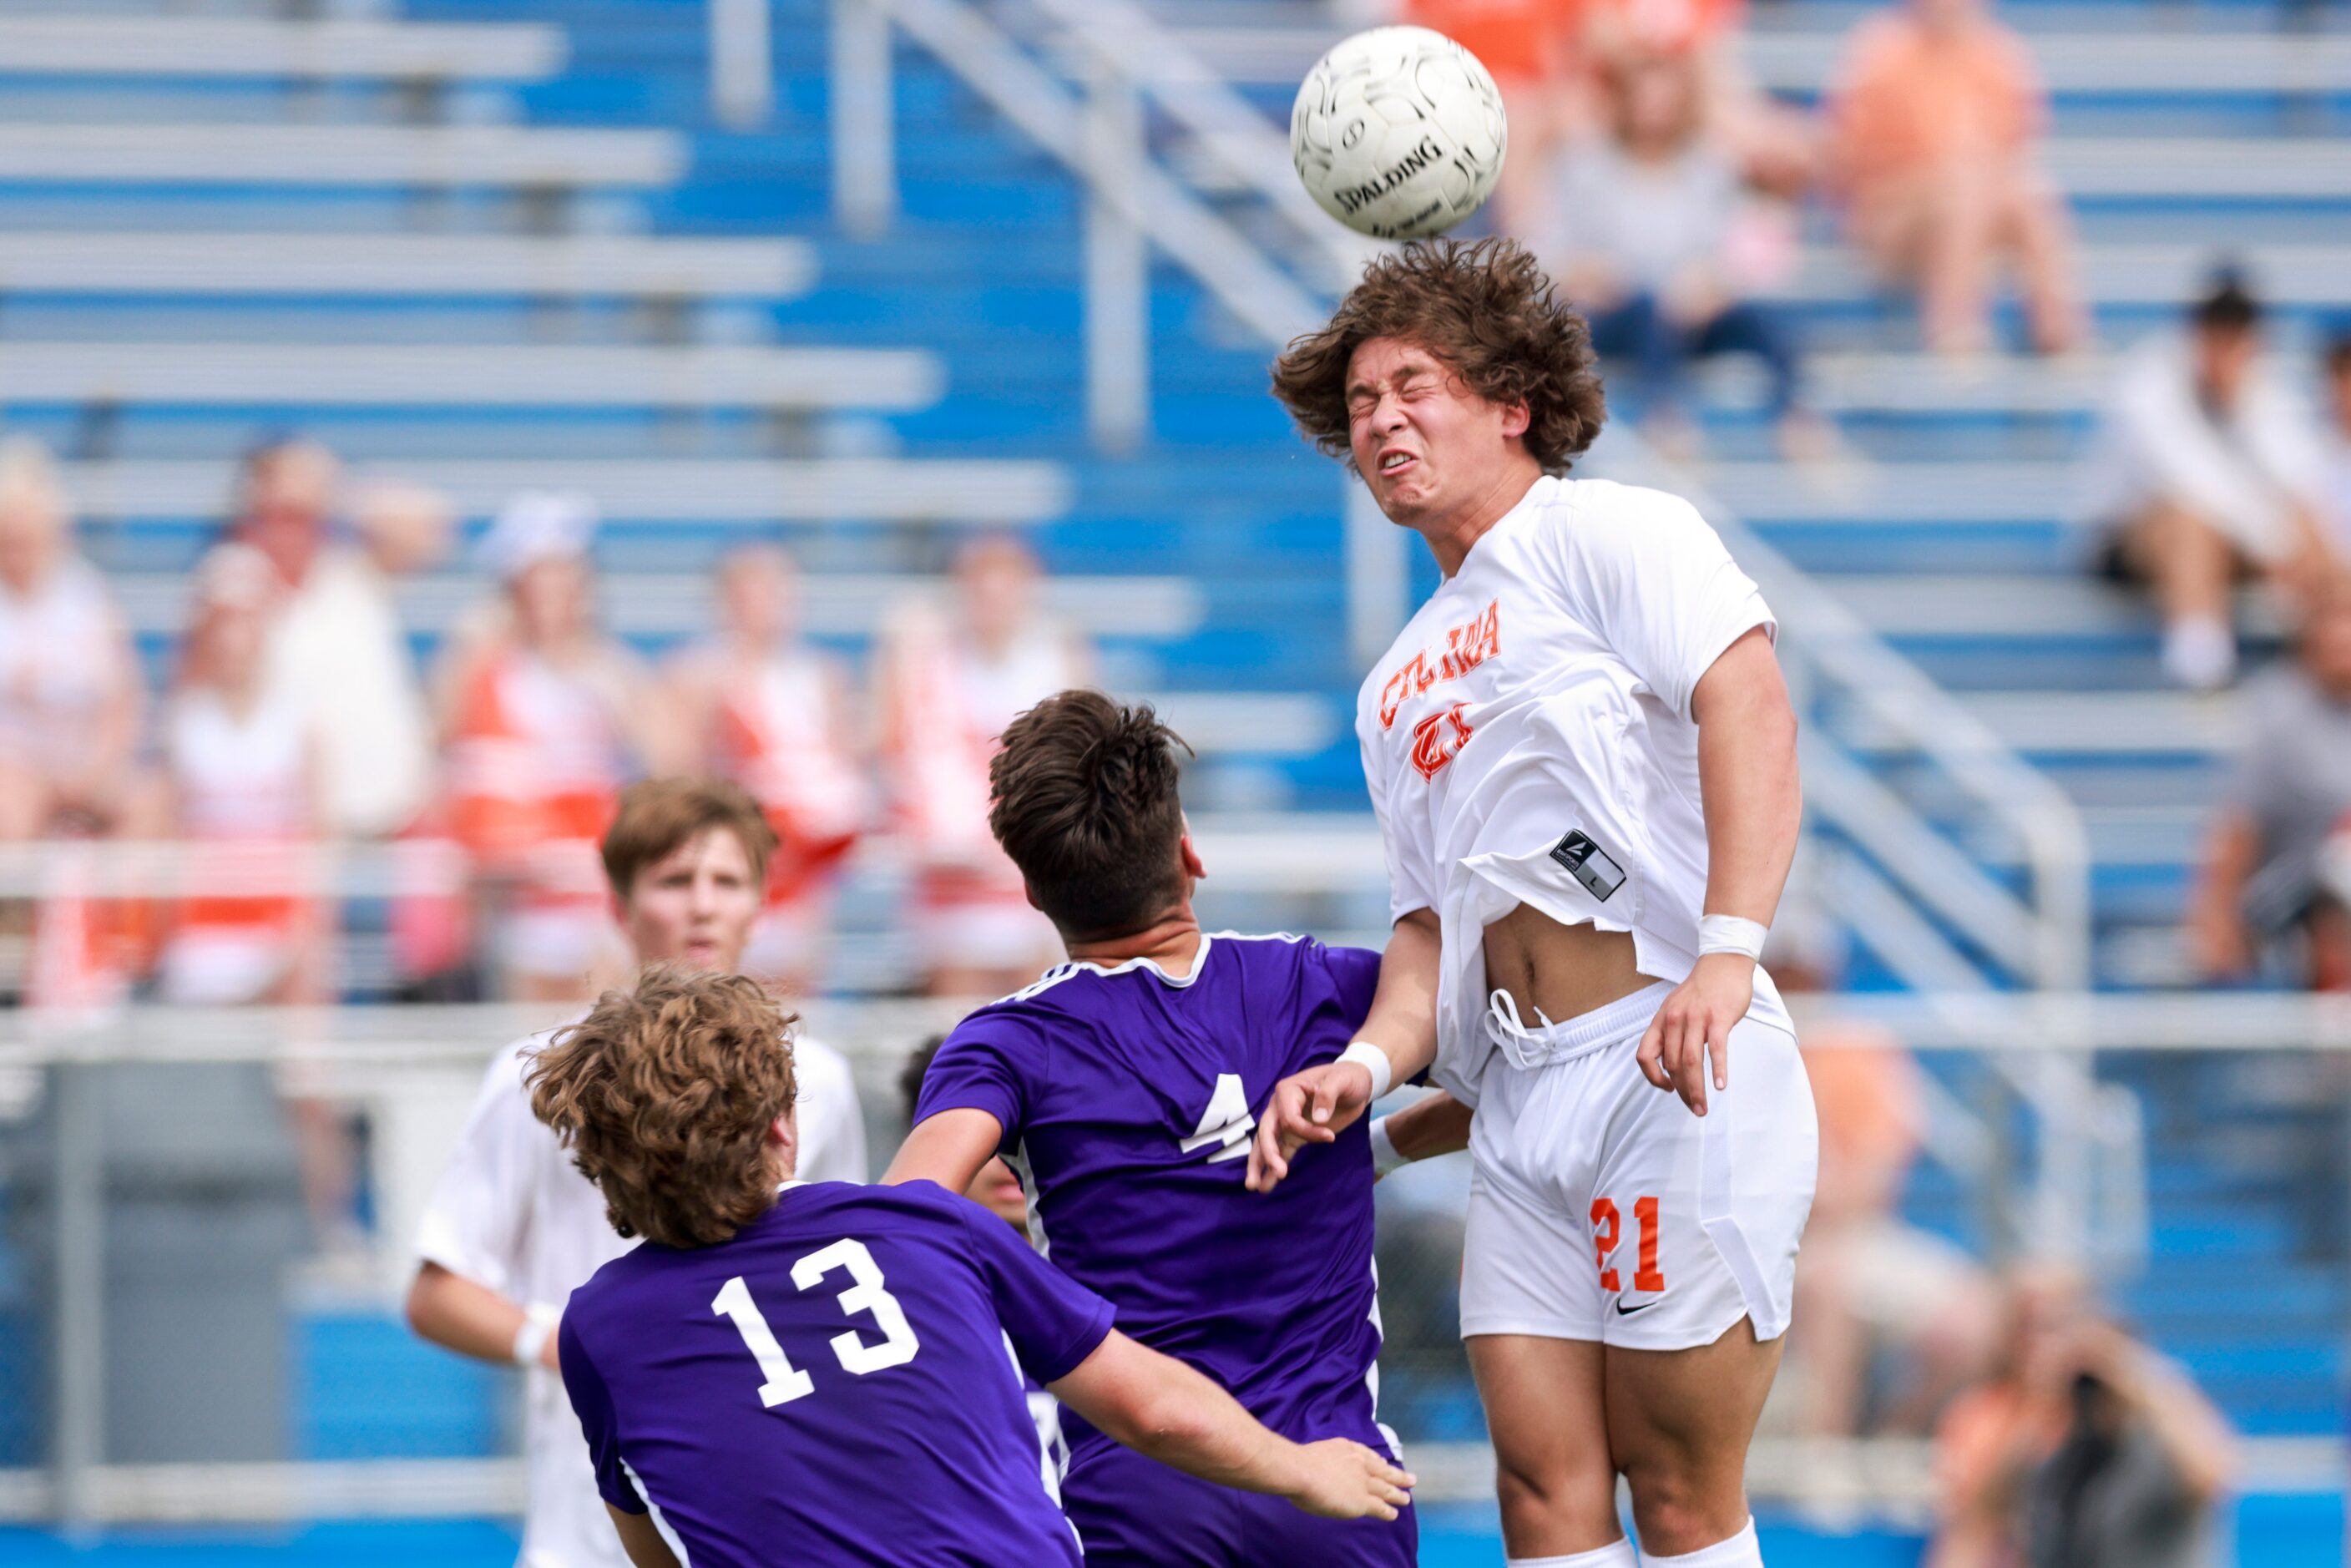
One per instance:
(1565,971)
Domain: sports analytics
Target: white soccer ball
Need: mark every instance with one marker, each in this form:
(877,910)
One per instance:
(1398,132)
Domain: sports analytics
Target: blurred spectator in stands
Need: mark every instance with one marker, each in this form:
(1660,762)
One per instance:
(2338,473)
(338,646)
(1530,49)
(767,709)
(242,764)
(947,685)
(2085,1450)
(2207,469)
(70,695)
(551,718)
(1933,124)
(1891,1320)
(2275,857)
(1646,219)
(1772,144)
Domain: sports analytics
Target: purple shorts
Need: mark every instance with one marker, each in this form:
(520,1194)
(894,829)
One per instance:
(1134,1512)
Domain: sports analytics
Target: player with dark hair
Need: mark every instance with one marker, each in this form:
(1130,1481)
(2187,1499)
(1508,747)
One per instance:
(1584,763)
(787,1372)
(1119,1086)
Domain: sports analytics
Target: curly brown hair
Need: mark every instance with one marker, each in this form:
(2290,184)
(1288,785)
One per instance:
(664,1094)
(1083,797)
(1485,309)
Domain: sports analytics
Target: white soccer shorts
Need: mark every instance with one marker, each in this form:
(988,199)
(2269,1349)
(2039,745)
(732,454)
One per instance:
(1601,1207)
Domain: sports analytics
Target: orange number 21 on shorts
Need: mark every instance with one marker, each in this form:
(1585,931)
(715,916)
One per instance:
(1607,1225)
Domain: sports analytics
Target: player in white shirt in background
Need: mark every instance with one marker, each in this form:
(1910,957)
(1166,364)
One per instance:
(513,1226)
(1574,932)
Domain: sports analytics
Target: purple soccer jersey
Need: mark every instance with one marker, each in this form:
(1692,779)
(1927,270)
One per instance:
(836,1383)
(1128,1101)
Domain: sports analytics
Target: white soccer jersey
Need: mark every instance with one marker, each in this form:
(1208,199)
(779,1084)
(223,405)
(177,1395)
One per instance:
(514,1213)
(1527,738)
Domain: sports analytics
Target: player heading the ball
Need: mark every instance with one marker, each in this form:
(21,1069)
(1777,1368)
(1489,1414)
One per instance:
(1583,762)
(788,1372)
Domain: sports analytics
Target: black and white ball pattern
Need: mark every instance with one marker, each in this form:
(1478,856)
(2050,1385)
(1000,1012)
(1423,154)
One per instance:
(1398,132)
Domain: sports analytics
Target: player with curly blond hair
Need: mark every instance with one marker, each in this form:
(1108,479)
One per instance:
(827,1371)
(1583,762)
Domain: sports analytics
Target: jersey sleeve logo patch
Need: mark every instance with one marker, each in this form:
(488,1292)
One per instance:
(1464,648)
(1590,864)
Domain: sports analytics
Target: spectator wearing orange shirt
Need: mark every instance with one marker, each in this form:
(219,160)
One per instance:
(1933,127)
(767,709)
(551,718)
(1530,49)
(947,679)
(246,788)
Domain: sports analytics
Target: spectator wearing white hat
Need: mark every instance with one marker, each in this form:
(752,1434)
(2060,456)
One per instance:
(549,717)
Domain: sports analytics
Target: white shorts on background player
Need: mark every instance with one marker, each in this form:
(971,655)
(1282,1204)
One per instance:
(1527,739)
(513,1213)
(1601,1209)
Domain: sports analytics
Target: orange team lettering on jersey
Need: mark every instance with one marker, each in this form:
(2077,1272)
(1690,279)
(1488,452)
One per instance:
(1464,648)
(1436,738)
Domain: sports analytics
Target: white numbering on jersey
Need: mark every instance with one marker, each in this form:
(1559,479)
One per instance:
(867,1293)
(785,1382)
(1226,1120)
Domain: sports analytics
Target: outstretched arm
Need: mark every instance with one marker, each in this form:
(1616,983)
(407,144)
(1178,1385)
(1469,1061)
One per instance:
(471,1319)
(1314,1106)
(947,1148)
(1432,1125)
(1158,1406)
(1754,804)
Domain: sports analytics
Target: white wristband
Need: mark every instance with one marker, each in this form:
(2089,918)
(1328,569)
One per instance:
(1385,1157)
(1729,934)
(1375,1062)
(538,1327)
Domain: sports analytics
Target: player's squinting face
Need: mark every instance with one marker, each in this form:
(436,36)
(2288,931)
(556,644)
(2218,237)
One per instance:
(1428,446)
(695,904)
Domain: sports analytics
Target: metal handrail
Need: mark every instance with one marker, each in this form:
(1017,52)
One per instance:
(1225,128)
(1265,298)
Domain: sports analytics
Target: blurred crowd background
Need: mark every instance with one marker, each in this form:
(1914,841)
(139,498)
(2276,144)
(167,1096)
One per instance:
(2024,341)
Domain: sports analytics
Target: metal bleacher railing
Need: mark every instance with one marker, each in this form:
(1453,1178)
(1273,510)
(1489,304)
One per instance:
(1928,817)
(405,1063)
(1945,920)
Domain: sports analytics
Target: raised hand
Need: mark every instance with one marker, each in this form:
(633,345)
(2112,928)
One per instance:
(1310,1107)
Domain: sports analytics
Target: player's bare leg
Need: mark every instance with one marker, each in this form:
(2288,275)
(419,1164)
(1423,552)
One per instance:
(1543,1401)
(1680,1423)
